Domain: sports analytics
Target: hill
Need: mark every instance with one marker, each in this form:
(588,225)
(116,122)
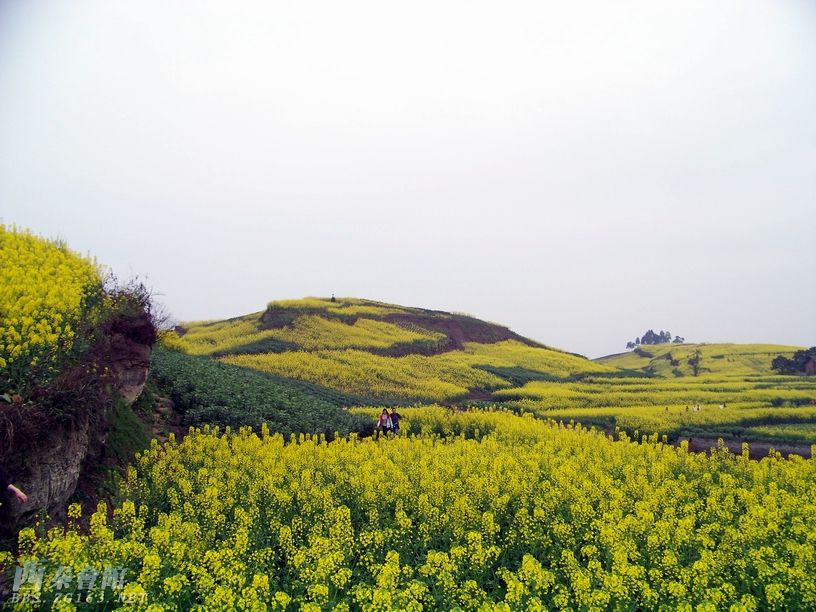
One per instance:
(720,359)
(301,361)
(735,394)
(380,352)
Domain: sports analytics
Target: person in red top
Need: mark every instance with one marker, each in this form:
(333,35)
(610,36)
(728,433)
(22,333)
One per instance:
(384,422)
(7,488)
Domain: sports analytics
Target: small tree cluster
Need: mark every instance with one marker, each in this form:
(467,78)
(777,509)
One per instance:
(795,364)
(695,361)
(652,337)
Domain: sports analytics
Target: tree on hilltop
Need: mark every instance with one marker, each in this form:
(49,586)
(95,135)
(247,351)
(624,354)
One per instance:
(652,337)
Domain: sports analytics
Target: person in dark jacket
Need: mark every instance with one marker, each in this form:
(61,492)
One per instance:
(6,488)
(395,419)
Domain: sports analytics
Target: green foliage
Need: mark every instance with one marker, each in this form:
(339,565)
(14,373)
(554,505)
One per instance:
(650,337)
(797,432)
(695,362)
(796,364)
(126,435)
(209,391)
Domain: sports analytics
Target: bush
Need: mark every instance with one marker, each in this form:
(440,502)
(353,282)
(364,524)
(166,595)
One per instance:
(796,364)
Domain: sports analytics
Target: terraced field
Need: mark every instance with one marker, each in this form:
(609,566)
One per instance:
(380,351)
(370,353)
(715,359)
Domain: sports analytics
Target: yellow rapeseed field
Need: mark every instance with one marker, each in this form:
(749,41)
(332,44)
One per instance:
(42,285)
(434,378)
(671,405)
(472,511)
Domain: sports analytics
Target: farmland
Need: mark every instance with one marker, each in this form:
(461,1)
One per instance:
(712,406)
(716,359)
(524,477)
(384,353)
(379,351)
(478,510)
(208,391)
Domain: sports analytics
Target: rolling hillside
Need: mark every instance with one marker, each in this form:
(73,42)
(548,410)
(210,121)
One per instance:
(720,359)
(379,352)
(299,363)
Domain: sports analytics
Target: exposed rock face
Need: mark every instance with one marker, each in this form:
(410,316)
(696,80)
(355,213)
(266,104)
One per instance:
(130,371)
(48,466)
(49,473)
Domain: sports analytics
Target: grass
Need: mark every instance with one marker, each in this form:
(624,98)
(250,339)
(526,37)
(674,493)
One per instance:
(126,435)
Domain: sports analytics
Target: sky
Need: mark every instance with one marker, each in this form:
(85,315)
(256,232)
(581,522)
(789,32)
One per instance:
(579,171)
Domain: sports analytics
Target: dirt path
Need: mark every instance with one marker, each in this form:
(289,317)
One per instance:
(756,449)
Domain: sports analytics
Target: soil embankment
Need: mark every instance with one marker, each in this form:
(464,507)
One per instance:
(51,441)
(756,449)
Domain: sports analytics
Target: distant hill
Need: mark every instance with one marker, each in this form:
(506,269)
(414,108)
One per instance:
(297,364)
(722,359)
(380,352)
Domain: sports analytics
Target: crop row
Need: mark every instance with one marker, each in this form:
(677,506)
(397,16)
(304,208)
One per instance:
(523,515)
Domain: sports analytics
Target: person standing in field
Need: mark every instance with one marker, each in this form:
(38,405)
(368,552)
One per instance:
(384,422)
(395,419)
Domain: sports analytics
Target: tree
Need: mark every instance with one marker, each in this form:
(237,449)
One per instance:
(679,340)
(783,365)
(694,361)
(650,337)
(795,364)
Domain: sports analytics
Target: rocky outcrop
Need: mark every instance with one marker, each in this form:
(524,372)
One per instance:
(46,455)
(48,473)
(130,371)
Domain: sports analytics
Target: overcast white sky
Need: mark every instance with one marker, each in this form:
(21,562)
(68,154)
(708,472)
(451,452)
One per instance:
(579,171)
